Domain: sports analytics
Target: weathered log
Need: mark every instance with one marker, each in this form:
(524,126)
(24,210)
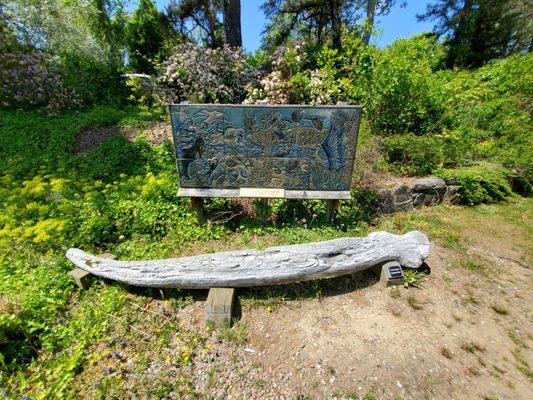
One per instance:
(275,265)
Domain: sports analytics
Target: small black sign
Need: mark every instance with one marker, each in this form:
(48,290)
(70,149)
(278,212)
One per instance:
(396,272)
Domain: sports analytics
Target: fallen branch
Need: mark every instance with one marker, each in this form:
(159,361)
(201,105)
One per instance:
(275,265)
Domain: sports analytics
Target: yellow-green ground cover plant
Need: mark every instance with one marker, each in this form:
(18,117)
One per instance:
(121,197)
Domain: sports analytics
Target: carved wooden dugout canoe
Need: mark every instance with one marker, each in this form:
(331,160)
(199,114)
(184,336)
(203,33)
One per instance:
(274,265)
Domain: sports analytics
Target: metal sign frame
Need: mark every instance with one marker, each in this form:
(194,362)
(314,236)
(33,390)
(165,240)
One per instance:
(265,151)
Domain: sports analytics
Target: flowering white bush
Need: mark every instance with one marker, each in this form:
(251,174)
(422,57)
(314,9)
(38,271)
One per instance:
(273,89)
(322,88)
(198,74)
(59,26)
(276,86)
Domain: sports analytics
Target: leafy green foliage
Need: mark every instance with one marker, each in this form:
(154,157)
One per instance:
(412,277)
(429,118)
(116,154)
(478,31)
(144,37)
(492,106)
(420,155)
(478,184)
(405,95)
(79,50)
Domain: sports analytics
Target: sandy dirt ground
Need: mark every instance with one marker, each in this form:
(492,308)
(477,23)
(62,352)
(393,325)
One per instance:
(465,333)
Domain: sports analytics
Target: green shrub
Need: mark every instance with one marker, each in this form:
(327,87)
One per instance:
(446,118)
(98,81)
(419,155)
(404,95)
(360,210)
(492,106)
(413,154)
(115,156)
(479,184)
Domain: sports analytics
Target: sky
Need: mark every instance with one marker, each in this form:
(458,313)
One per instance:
(400,23)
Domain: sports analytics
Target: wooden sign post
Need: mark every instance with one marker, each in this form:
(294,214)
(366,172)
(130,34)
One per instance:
(265,151)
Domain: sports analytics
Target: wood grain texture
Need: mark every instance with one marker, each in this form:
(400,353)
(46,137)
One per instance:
(265,193)
(201,192)
(318,194)
(275,265)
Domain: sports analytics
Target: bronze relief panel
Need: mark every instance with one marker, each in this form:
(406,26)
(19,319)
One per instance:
(290,147)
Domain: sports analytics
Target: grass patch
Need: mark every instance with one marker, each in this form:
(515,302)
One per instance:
(500,309)
(522,365)
(446,353)
(235,334)
(472,347)
(434,225)
(473,266)
(498,371)
(412,277)
(395,293)
(415,303)
(515,337)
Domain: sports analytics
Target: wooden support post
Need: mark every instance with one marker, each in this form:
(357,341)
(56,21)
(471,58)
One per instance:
(333,206)
(197,203)
(82,278)
(219,307)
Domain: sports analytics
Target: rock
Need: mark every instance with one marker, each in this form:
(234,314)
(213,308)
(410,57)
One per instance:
(451,181)
(429,191)
(399,199)
(427,199)
(403,198)
(428,183)
(451,192)
(386,201)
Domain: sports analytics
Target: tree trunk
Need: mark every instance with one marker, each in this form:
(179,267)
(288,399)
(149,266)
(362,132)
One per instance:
(212,27)
(336,26)
(369,23)
(275,265)
(232,22)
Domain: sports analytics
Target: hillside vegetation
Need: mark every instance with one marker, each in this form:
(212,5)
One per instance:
(121,198)
(84,88)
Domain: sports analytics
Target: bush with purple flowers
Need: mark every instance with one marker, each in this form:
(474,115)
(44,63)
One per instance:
(32,80)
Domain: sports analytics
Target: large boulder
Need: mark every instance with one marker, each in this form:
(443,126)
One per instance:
(396,199)
(430,183)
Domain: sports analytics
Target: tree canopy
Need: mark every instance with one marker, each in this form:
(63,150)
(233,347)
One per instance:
(144,36)
(317,20)
(477,31)
(198,19)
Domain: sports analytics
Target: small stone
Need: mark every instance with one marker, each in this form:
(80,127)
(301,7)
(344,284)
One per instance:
(451,191)
(451,181)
